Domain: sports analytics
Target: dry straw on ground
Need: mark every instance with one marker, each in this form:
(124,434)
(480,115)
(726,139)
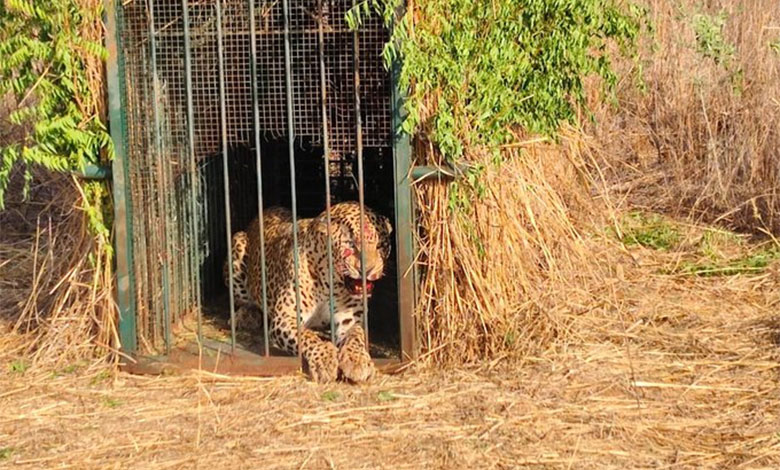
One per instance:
(658,372)
(55,290)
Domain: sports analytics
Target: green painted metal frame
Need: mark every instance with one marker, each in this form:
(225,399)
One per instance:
(404,221)
(123,209)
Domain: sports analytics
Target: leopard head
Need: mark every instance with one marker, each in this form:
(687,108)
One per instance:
(346,236)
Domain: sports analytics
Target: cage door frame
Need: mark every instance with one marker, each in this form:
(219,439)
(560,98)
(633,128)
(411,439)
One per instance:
(126,290)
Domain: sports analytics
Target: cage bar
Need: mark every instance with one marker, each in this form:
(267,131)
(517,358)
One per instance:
(259,166)
(291,152)
(361,180)
(225,168)
(326,158)
(192,173)
(160,166)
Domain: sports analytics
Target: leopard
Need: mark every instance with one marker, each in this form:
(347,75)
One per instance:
(348,358)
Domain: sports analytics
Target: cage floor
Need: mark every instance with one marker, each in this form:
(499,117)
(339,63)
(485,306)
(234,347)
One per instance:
(215,328)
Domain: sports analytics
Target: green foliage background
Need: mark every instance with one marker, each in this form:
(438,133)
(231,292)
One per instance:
(48,67)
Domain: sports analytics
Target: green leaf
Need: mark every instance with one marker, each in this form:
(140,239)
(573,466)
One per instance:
(43,65)
(386,396)
(18,366)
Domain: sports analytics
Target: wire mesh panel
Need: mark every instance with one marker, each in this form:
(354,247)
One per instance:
(162,186)
(187,83)
(270,68)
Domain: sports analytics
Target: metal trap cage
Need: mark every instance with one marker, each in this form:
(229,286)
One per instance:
(218,110)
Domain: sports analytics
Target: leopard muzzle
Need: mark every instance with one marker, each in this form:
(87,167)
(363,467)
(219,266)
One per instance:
(355,286)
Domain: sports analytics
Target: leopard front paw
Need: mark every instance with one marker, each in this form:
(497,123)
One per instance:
(248,318)
(355,363)
(322,361)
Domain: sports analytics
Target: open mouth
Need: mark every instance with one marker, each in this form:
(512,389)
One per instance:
(355,286)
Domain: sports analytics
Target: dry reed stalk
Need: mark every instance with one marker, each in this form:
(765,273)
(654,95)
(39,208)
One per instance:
(705,130)
(57,280)
(93,30)
(496,272)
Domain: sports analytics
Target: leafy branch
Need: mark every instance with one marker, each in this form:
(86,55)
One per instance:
(478,72)
(51,59)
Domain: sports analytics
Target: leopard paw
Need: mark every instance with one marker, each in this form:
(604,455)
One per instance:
(355,362)
(322,362)
(248,318)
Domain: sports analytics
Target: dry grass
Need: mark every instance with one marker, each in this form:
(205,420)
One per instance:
(656,372)
(56,286)
(56,278)
(497,269)
(703,140)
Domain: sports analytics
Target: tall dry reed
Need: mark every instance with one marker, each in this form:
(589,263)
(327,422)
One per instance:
(703,140)
(56,279)
(500,275)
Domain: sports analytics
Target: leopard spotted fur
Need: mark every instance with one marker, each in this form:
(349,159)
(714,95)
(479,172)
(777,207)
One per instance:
(325,360)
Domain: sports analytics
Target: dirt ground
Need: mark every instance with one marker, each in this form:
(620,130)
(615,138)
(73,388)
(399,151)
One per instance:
(654,371)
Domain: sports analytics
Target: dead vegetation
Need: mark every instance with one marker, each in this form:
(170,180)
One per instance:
(496,254)
(55,291)
(701,140)
(698,142)
(656,371)
(56,276)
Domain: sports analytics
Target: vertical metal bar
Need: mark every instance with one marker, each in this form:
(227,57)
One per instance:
(138,192)
(225,169)
(191,149)
(326,156)
(158,157)
(361,195)
(291,152)
(123,205)
(146,199)
(404,217)
(258,163)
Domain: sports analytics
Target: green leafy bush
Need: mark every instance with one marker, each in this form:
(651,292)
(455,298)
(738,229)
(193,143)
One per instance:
(752,263)
(710,40)
(51,57)
(478,72)
(651,231)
